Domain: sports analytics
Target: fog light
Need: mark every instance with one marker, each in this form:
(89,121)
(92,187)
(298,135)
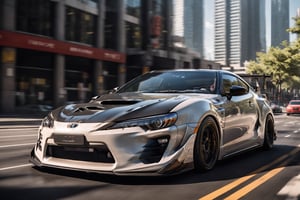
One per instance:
(162,140)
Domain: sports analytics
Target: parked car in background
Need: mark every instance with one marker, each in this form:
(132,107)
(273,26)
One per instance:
(276,108)
(293,107)
(162,122)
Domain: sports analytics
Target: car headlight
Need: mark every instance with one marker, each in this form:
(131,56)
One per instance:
(152,123)
(48,121)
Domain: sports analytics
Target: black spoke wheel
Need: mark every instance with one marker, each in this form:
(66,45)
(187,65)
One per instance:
(269,133)
(207,145)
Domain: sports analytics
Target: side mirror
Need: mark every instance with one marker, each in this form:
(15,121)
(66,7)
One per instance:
(113,90)
(94,98)
(236,90)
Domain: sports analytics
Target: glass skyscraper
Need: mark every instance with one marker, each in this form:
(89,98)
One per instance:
(279,21)
(193,24)
(239,31)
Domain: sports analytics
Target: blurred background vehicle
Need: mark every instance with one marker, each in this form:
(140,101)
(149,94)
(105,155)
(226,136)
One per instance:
(293,107)
(276,108)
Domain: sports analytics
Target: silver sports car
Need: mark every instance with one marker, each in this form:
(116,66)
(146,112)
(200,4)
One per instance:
(162,122)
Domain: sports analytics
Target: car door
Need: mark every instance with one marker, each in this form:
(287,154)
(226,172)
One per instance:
(240,115)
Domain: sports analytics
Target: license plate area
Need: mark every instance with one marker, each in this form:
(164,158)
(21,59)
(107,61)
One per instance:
(69,139)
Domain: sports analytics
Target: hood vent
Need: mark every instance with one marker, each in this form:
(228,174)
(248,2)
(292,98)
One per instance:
(88,108)
(120,102)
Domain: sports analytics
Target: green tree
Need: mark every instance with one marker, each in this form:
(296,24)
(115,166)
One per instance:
(281,63)
(296,28)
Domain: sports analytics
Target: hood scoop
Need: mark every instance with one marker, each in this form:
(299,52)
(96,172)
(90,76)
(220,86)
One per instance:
(87,108)
(120,102)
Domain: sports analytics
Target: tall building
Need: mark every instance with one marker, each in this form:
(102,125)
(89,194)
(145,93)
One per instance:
(294,12)
(209,30)
(193,25)
(280,16)
(239,31)
(178,14)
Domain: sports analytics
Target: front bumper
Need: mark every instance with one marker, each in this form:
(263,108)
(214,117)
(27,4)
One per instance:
(130,151)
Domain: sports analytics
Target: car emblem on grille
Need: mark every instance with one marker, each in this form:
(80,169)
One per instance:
(72,125)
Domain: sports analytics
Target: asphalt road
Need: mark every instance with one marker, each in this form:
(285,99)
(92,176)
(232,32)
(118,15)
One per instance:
(258,174)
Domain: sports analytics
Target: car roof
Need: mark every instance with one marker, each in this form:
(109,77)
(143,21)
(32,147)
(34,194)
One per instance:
(195,70)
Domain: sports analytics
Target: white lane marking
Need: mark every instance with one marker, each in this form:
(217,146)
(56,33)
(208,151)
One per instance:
(14,136)
(9,128)
(296,131)
(16,145)
(287,136)
(291,189)
(16,166)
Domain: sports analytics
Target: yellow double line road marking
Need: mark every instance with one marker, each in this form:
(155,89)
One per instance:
(248,188)
(245,190)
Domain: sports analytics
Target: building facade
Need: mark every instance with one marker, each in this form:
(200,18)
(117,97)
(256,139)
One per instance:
(239,31)
(54,52)
(193,25)
(279,21)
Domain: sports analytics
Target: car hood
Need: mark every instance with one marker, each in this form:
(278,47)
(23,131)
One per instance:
(119,107)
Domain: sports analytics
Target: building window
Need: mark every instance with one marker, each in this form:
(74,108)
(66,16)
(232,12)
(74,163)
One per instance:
(111,31)
(35,16)
(133,7)
(157,7)
(133,34)
(34,78)
(80,26)
(78,79)
(158,24)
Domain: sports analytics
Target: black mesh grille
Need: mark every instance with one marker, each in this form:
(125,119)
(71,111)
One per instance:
(153,151)
(89,154)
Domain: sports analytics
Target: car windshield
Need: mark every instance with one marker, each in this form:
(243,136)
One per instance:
(173,82)
(295,103)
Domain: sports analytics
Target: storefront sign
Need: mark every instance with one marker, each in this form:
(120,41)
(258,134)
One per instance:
(41,44)
(26,41)
(156,25)
(80,50)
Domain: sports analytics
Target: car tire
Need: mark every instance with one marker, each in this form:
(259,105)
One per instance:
(207,145)
(269,133)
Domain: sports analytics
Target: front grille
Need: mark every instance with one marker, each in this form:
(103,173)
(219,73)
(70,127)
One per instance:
(89,154)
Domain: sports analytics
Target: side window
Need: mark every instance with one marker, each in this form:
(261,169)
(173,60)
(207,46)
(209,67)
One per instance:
(229,80)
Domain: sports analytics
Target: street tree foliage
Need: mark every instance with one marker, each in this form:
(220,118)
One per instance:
(281,63)
(296,28)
